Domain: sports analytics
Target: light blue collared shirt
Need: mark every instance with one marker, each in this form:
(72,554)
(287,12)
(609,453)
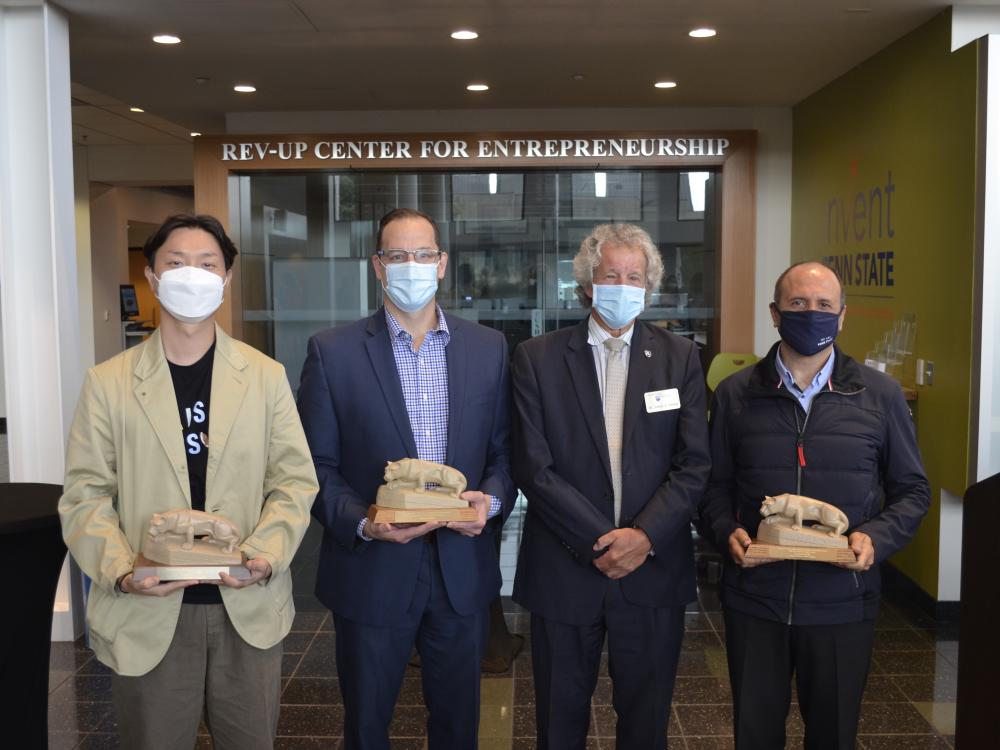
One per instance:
(424,377)
(821,381)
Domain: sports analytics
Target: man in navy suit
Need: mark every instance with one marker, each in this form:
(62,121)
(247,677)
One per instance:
(413,382)
(610,447)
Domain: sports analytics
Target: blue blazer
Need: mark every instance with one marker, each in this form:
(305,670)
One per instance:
(352,408)
(561,464)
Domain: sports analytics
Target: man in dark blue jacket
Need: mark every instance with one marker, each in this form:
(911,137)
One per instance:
(808,420)
(413,382)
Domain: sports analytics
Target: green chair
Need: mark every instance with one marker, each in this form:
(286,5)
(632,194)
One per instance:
(725,364)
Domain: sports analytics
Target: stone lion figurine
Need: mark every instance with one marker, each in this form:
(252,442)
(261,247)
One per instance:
(794,509)
(414,474)
(184,525)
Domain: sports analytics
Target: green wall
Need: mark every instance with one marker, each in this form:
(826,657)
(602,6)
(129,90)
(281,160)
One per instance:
(884,162)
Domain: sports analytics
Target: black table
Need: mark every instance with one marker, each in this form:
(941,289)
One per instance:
(33,554)
(977,717)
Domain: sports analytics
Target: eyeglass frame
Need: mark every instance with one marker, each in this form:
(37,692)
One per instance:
(412,253)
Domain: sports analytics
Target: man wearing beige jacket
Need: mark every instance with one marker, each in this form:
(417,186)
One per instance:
(190,418)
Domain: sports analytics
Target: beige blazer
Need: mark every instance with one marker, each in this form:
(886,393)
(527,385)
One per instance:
(126,460)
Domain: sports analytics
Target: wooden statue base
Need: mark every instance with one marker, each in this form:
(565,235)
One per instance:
(380,514)
(781,533)
(758,550)
(144,568)
(405,498)
(407,505)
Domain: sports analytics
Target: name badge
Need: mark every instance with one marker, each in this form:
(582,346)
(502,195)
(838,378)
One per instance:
(664,400)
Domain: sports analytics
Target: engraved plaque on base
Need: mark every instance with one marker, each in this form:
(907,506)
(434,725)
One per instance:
(186,545)
(405,497)
(785,535)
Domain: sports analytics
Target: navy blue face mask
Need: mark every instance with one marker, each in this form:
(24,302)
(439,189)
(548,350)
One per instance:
(808,331)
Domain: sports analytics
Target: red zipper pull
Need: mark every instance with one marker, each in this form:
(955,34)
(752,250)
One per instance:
(802,455)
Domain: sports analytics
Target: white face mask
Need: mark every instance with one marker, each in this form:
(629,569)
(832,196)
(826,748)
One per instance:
(190,294)
(411,285)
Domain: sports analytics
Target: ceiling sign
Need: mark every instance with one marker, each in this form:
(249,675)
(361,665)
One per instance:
(475,150)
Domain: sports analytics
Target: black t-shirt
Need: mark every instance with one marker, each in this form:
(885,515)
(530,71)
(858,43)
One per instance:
(193,388)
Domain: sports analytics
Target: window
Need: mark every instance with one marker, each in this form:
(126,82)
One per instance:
(307,239)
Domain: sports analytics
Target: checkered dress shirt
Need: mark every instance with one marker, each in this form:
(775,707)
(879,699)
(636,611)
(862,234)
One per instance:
(424,377)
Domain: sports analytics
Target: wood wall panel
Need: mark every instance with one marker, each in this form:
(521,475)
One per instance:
(738,249)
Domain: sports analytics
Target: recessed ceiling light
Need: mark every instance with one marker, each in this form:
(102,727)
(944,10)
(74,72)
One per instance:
(577,76)
(665,84)
(244,88)
(136,109)
(702,33)
(464,34)
(166,39)
(195,133)
(478,87)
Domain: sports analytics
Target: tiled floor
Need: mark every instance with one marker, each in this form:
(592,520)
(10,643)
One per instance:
(909,703)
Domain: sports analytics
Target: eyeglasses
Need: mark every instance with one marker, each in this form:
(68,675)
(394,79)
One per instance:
(420,255)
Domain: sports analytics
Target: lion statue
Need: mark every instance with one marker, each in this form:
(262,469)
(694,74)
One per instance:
(187,524)
(798,509)
(415,474)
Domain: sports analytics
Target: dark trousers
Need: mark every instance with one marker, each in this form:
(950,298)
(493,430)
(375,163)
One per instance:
(644,645)
(830,664)
(371,661)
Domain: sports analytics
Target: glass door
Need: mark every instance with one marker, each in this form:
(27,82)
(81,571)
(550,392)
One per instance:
(307,239)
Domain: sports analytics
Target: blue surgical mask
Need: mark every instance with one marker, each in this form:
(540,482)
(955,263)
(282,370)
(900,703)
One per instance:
(411,285)
(808,331)
(618,304)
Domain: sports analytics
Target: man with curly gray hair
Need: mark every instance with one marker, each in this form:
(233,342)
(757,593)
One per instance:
(588,257)
(610,447)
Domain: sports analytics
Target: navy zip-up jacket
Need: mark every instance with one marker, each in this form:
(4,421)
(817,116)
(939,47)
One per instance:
(856,449)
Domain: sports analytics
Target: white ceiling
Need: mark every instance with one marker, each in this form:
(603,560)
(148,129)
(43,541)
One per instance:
(101,120)
(397,54)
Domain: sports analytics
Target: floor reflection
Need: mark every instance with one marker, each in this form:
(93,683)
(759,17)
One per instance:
(909,702)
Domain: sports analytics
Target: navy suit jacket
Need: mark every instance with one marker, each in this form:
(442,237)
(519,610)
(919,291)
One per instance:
(355,419)
(561,464)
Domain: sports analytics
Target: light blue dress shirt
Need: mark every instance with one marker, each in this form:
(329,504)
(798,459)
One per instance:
(821,381)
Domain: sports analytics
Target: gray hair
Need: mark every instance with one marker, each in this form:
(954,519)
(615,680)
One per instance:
(588,257)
